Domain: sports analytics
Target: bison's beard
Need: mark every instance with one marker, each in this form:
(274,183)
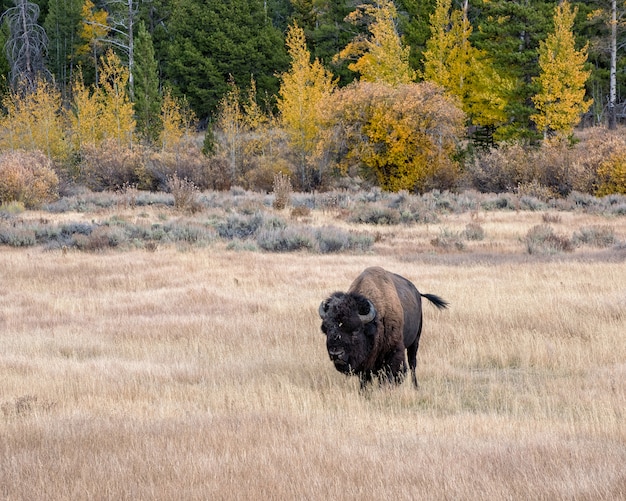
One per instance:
(352,363)
(343,366)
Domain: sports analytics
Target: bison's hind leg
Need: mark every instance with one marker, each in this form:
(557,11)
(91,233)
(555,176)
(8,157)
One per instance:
(411,352)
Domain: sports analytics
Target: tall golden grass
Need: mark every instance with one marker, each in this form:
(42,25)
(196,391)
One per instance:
(203,375)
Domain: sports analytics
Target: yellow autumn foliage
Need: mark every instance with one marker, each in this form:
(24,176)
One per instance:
(32,122)
(561,101)
(612,175)
(381,56)
(177,121)
(93,27)
(465,72)
(104,113)
(116,110)
(84,116)
(405,135)
(302,89)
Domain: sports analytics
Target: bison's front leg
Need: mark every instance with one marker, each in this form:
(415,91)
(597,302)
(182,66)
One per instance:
(394,368)
(365,378)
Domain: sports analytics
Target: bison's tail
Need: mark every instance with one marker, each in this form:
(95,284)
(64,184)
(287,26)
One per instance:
(436,300)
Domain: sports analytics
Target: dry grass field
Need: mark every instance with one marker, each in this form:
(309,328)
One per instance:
(202,373)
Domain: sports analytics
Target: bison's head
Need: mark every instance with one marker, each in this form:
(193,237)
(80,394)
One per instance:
(348,322)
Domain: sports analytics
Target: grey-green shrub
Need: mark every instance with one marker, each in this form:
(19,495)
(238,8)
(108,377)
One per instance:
(286,239)
(596,235)
(373,214)
(541,239)
(473,231)
(241,227)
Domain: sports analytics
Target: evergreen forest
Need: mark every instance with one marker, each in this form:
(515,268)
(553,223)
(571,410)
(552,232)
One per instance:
(415,95)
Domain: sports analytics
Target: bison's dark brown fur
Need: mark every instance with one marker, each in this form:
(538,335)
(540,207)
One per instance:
(369,327)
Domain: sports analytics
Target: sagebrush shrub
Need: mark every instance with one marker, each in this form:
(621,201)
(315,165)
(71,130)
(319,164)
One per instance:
(27,178)
(541,239)
(240,227)
(300,211)
(551,218)
(372,214)
(473,231)
(596,235)
(448,240)
(286,239)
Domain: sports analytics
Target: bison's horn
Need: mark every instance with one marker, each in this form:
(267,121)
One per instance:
(322,309)
(367,318)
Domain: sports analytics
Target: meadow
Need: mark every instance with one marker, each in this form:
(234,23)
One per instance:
(180,371)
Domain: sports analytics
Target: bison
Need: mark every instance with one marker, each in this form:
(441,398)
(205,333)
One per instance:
(368,328)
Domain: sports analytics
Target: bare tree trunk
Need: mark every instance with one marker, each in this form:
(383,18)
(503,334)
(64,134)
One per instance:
(612,119)
(26,47)
(131,51)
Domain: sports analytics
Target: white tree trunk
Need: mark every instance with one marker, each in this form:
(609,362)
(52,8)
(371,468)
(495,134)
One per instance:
(612,79)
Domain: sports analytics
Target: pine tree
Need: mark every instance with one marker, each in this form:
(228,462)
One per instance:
(509,32)
(302,90)
(414,23)
(62,25)
(208,41)
(381,56)
(561,99)
(327,31)
(147,97)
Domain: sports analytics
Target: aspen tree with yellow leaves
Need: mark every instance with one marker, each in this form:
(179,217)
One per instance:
(84,116)
(380,57)
(32,121)
(231,123)
(94,28)
(116,110)
(246,136)
(465,72)
(561,101)
(404,137)
(176,121)
(103,113)
(302,89)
